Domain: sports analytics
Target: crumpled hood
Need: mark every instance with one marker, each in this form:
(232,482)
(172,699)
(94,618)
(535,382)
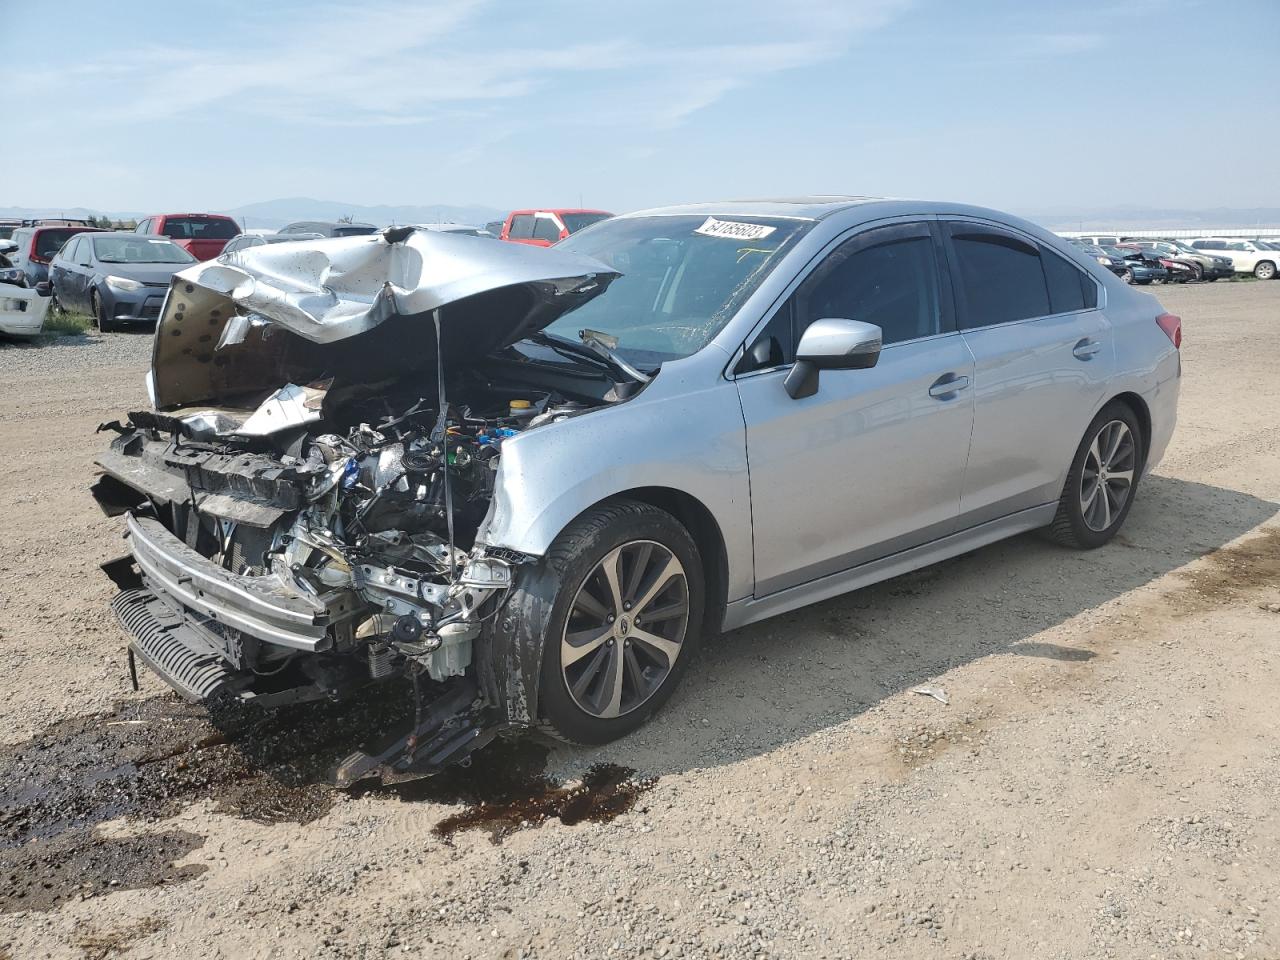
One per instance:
(256,319)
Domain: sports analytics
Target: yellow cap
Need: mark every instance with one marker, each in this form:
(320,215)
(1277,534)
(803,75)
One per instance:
(520,404)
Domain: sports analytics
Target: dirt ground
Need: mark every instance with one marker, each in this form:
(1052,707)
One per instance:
(1102,783)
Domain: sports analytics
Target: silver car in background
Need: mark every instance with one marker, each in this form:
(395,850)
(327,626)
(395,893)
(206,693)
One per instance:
(531,481)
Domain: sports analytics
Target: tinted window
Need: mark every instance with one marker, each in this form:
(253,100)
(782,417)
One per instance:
(199,228)
(354,230)
(68,251)
(1001,278)
(49,242)
(573,222)
(1069,287)
(545,228)
(521,227)
(893,285)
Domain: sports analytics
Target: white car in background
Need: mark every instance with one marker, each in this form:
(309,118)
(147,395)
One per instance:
(22,308)
(1246,256)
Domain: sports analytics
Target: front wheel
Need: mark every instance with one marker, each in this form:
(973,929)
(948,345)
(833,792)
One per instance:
(1127,275)
(1102,480)
(1266,270)
(100,317)
(626,595)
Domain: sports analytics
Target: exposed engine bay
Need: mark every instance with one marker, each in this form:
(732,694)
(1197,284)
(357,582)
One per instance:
(306,540)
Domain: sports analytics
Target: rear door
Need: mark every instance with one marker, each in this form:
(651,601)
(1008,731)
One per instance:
(1043,356)
(61,275)
(873,462)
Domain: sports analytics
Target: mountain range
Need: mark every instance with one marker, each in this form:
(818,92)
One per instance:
(273,214)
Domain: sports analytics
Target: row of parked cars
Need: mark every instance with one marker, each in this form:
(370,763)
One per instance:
(1141,260)
(120,277)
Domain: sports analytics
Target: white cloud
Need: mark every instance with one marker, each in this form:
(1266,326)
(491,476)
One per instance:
(397,63)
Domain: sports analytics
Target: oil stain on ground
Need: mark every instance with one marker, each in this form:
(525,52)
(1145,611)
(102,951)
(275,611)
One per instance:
(506,789)
(1232,573)
(149,759)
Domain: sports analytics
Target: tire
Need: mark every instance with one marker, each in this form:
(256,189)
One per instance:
(1085,522)
(567,597)
(1127,275)
(104,323)
(1266,270)
(1197,273)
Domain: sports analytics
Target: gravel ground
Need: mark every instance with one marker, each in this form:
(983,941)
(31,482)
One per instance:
(1102,783)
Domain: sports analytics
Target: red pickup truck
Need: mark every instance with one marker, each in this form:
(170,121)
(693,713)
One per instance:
(542,228)
(203,235)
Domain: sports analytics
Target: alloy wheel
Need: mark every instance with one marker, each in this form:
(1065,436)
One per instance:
(625,629)
(1106,480)
(1127,276)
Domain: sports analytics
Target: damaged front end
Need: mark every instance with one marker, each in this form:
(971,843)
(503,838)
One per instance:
(302,506)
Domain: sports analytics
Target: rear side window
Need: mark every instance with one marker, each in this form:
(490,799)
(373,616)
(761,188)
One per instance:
(199,228)
(546,229)
(68,251)
(521,227)
(1070,288)
(1001,278)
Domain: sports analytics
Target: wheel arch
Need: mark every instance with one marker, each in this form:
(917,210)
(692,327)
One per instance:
(1140,410)
(698,519)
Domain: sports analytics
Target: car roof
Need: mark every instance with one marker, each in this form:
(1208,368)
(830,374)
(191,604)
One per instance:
(820,207)
(132,235)
(211,216)
(557,210)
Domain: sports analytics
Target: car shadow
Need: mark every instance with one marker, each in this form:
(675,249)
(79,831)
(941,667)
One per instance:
(760,687)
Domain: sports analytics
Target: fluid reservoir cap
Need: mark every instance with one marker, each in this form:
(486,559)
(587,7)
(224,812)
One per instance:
(521,408)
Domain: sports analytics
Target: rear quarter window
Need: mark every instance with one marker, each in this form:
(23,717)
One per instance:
(1070,288)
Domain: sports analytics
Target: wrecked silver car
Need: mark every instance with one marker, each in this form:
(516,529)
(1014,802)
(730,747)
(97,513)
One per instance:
(518,485)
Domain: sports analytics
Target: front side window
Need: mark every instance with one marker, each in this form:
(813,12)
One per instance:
(545,228)
(1001,277)
(886,276)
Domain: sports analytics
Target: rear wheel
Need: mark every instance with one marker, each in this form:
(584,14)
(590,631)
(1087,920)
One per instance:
(1266,270)
(625,590)
(1102,481)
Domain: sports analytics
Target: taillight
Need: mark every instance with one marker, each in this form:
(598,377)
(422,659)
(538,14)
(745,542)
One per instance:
(1172,327)
(35,236)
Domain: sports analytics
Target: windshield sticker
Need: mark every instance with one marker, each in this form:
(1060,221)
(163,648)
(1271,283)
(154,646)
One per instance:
(734,230)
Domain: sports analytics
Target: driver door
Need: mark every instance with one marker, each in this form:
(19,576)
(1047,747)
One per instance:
(873,463)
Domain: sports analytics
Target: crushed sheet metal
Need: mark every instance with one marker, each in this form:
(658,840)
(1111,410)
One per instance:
(290,406)
(331,289)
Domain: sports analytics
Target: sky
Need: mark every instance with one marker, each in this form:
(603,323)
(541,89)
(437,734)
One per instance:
(1032,107)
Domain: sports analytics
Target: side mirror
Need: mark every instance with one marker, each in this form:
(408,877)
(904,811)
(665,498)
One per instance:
(44,289)
(831,344)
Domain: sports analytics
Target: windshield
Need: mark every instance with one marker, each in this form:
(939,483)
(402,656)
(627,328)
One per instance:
(576,221)
(139,250)
(682,279)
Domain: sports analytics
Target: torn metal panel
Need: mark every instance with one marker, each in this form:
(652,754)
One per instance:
(298,300)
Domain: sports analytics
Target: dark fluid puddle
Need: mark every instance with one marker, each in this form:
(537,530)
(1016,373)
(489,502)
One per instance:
(147,760)
(505,789)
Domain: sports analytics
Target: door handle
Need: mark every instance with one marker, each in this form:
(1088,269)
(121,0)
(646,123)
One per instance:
(947,386)
(1086,349)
